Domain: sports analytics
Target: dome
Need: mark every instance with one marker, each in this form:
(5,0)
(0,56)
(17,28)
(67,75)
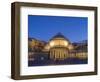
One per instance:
(59,40)
(59,36)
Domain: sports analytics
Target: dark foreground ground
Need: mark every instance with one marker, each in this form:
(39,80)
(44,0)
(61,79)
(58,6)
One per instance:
(69,61)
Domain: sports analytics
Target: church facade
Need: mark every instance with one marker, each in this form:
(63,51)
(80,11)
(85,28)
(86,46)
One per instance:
(57,48)
(61,48)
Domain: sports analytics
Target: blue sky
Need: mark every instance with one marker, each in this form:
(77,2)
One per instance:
(45,27)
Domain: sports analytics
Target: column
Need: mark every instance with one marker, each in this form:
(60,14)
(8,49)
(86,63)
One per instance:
(60,54)
(51,54)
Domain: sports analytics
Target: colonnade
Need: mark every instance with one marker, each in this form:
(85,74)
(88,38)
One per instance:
(58,53)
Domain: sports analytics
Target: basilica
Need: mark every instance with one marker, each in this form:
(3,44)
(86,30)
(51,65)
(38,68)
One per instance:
(57,48)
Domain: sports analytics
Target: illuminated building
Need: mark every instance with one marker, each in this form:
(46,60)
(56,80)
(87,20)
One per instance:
(57,48)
